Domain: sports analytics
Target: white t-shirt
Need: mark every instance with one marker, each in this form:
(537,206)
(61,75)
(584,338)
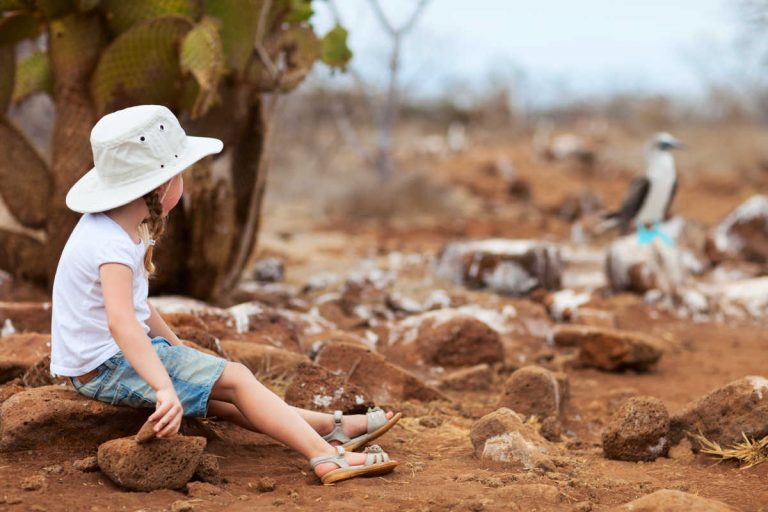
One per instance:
(80,338)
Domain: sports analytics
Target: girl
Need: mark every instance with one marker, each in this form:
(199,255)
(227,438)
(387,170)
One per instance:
(112,342)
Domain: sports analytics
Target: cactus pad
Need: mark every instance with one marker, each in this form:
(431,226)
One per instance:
(17,27)
(141,65)
(203,56)
(294,51)
(239,24)
(33,75)
(122,15)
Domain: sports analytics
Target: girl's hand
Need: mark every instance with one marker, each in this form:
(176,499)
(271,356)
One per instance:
(168,413)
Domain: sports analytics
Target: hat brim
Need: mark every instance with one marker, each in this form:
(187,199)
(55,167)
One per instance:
(90,194)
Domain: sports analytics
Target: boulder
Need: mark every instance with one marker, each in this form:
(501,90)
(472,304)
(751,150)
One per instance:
(446,338)
(610,349)
(55,418)
(724,414)
(513,267)
(668,500)
(18,352)
(474,378)
(159,464)
(311,344)
(742,234)
(10,388)
(502,436)
(383,381)
(189,327)
(316,388)
(263,360)
(25,317)
(208,470)
(262,324)
(639,431)
(535,391)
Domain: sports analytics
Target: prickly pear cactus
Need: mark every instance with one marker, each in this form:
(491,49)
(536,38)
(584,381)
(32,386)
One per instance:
(208,60)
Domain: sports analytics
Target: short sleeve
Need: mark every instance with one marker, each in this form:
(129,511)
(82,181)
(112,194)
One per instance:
(116,250)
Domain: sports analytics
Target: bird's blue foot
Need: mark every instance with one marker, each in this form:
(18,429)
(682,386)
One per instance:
(645,236)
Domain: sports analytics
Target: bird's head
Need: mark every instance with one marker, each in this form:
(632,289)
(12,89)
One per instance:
(664,142)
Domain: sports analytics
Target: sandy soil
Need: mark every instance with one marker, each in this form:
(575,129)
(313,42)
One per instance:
(437,469)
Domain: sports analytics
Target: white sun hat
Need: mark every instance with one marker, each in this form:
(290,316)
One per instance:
(135,150)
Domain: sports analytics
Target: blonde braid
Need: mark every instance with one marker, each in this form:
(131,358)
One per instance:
(152,228)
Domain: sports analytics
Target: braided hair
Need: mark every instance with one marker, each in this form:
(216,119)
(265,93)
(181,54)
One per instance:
(152,228)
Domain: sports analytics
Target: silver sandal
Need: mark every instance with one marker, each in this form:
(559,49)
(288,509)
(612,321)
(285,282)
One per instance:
(378,425)
(376,463)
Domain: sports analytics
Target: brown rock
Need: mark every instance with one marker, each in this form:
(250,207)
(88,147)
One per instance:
(502,436)
(610,349)
(742,234)
(534,391)
(444,338)
(54,418)
(39,374)
(312,343)
(162,464)
(262,324)
(638,431)
(26,316)
(189,327)
(263,359)
(10,388)
(508,266)
(316,388)
(34,483)
(202,490)
(474,378)
(208,470)
(266,484)
(146,433)
(724,414)
(86,465)
(383,382)
(667,500)
(18,352)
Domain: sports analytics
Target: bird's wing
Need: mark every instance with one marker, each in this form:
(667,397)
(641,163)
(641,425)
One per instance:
(633,200)
(671,198)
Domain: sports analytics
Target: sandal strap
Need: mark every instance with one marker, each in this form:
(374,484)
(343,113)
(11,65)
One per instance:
(337,458)
(377,418)
(375,455)
(337,434)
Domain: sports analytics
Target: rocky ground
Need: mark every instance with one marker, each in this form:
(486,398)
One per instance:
(526,379)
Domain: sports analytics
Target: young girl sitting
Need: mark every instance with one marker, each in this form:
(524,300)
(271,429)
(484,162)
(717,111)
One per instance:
(112,342)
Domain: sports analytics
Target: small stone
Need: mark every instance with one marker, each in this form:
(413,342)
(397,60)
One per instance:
(208,470)
(582,506)
(266,484)
(535,391)
(182,506)
(55,469)
(86,465)
(502,436)
(33,483)
(146,432)
(202,489)
(639,431)
(474,378)
(431,421)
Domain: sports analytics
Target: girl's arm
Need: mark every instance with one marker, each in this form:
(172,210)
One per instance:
(158,327)
(117,287)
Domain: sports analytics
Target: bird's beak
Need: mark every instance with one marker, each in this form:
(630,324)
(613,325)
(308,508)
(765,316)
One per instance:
(676,144)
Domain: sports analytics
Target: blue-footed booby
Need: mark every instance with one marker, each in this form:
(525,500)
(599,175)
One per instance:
(649,197)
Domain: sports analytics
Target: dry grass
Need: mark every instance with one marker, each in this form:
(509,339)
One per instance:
(749,453)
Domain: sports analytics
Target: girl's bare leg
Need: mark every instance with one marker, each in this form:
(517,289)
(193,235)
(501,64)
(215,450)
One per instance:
(270,415)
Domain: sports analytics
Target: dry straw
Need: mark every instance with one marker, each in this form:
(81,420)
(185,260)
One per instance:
(749,453)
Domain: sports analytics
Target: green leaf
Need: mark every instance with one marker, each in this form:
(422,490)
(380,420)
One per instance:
(141,65)
(336,53)
(202,55)
(33,75)
(17,27)
(300,11)
(124,14)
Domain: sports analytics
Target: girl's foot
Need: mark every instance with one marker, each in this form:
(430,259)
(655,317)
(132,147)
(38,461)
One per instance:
(352,425)
(352,458)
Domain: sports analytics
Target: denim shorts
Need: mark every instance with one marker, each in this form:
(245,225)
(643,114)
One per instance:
(192,373)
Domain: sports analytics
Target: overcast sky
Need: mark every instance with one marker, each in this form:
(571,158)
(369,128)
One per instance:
(577,47)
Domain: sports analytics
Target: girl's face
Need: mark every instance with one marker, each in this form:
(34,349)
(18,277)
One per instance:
(172,193)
